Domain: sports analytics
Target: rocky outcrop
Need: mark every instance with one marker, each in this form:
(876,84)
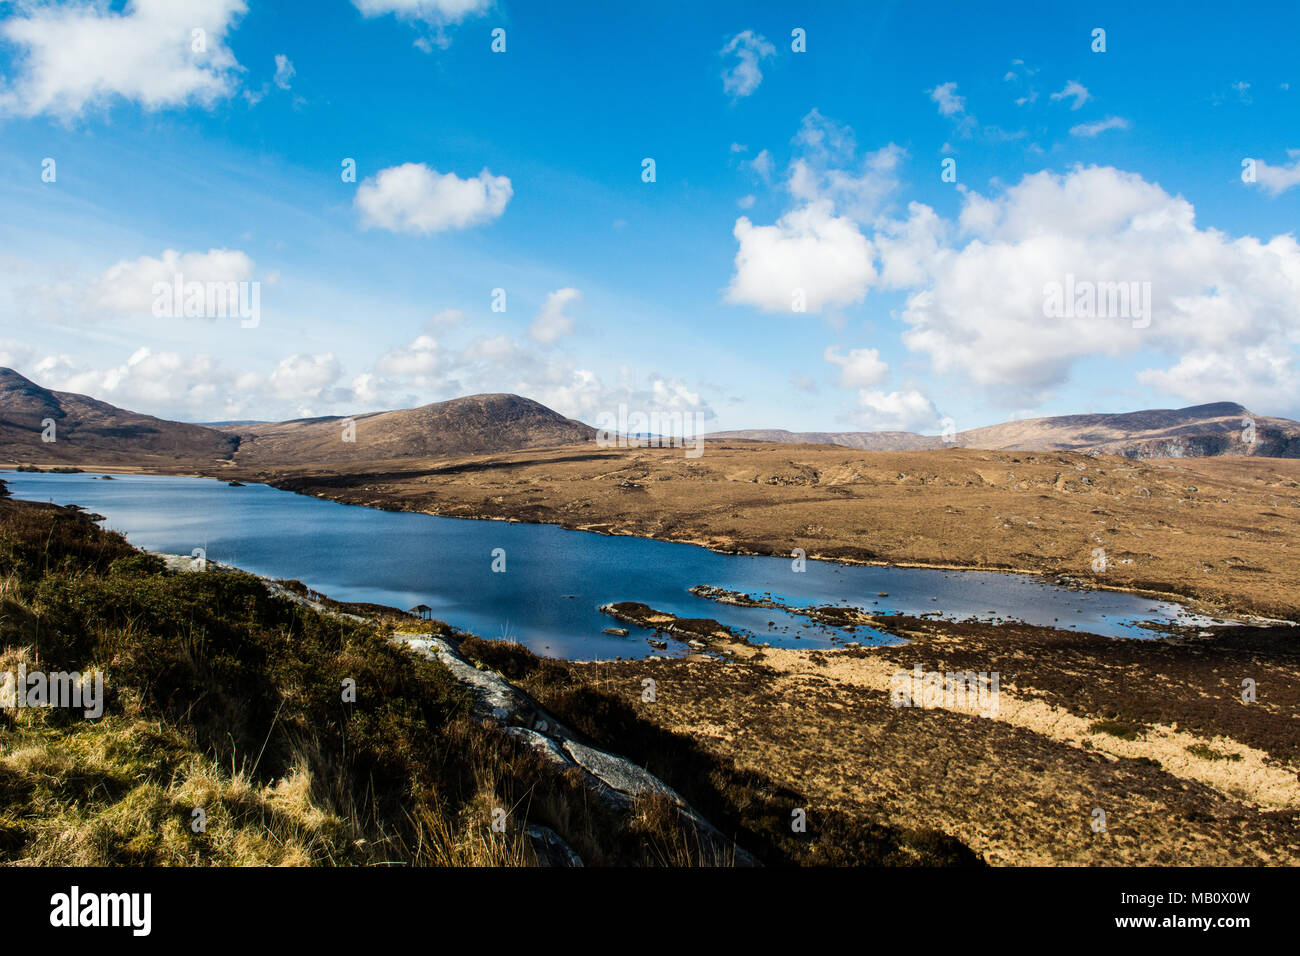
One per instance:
(550,848)
(616,781)
(697,632)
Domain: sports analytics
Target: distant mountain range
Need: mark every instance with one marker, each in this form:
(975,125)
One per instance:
(1199,431)
(88,431)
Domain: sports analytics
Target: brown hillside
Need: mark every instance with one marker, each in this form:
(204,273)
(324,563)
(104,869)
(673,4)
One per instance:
(1199,431)
(87,429)
(476,424)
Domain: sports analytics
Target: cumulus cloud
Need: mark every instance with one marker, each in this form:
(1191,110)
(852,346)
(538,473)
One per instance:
(860,368)
(417,361)
(829,168)
(1218,304)
(1259,377)
(416,199)
(1221,324)
(1089,130)
(200,387)
(815,256)
(1276,180)
(809,258)
(128,286)
(553,321)
(183,386)
(904,411)
(305,377)
(158,53)
(743,77)
(500,363)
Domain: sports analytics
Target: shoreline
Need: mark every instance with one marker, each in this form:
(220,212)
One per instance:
(1164,591)
(1153,731)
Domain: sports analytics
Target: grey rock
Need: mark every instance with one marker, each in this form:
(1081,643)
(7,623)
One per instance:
(494,696)
(619,773)
(550,847)
(544,745)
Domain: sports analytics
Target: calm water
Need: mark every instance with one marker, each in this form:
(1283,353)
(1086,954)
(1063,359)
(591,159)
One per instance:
(555,580)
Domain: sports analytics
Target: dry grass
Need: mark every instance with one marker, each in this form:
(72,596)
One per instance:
(223,697)
(1153,732)
(1218,530)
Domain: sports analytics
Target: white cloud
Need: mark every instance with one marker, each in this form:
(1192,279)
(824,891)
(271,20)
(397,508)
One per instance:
(81,56)
(1262,377)
(418,360)
(809,251)
(1088,130)
(128,286)
(763,165)
(816,250)
(950,104)
(1076,91)
(743,78)
(430,11)
(860,368)
(1276,180)
(1217,302)
(860,194)
(1223,321)
(501,363)
(552,322)
(196,386)
(200,387)
(14,354)
(305,377)
(414,198)
(905,411)
(284,71)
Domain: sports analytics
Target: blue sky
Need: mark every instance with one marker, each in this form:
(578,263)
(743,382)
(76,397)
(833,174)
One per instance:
(778,174)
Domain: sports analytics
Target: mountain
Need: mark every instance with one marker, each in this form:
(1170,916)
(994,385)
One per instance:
(91,432)
(94,433)
(86,430)
(474,425)
(1195,432)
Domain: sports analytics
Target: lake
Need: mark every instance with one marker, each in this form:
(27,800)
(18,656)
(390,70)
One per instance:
(554,580)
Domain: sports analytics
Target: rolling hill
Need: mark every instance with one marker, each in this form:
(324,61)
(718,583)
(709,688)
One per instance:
(91,432)
(1199,431)
(85,429)
(474,425)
